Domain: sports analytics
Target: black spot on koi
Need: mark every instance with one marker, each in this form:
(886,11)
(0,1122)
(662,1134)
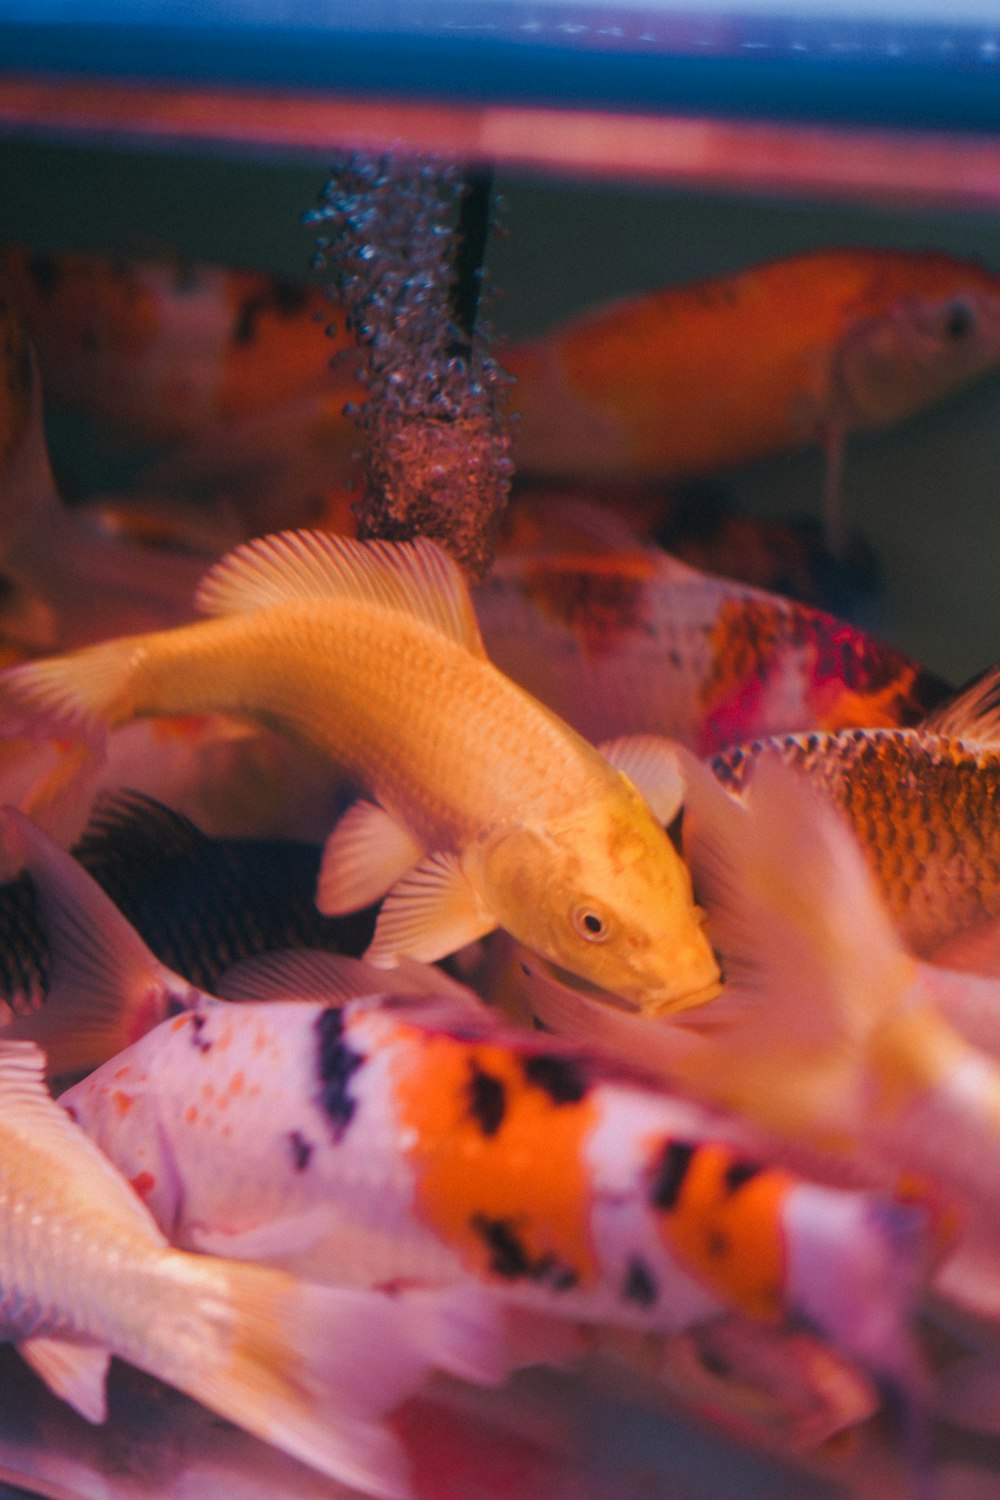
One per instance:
(202,1043)
(639,1286)
(510,1259)
(738,1173)
(669,1174)
(487,1100)
(559,1077)
(302,1150)
(338,1064)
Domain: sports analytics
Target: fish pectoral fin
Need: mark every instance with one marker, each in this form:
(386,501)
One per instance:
(651,763)
(365,855)
(430,913)
(74,1372)
(417,578)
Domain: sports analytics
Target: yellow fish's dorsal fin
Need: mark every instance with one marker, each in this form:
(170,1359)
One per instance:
(290,567)
(650,763)
(972,715)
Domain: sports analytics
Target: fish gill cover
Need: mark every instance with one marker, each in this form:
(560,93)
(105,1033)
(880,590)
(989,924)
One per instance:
(437,461)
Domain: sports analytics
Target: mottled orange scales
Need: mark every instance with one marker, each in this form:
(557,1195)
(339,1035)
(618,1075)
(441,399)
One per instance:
(490,1148)
(725,1223)
(926,811)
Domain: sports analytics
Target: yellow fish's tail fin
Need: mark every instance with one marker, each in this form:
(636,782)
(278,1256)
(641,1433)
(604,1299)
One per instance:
(105,987)
(315,1370)
(77,696)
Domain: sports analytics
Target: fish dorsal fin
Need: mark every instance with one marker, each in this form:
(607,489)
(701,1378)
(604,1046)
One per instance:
(311,974)
(75,1372)
(428,914)
(650,762)
(103,980)
(365,855)
(972,715)
(417,578)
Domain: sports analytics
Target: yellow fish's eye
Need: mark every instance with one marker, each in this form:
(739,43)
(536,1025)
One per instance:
(590,924)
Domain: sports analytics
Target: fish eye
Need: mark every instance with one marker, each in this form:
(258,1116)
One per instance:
(590,925)
(959,320)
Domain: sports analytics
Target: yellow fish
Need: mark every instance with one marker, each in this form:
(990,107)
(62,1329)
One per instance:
(487,809)
(85,1273)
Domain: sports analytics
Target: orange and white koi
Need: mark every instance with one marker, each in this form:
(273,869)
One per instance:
(388,1143)
(85,1273)
(489,810)
(634,641)
(799,350)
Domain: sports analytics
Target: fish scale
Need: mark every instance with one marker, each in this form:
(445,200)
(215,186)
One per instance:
(926,810)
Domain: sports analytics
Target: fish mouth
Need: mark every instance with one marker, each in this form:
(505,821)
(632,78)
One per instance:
(688,1001)
(547,969)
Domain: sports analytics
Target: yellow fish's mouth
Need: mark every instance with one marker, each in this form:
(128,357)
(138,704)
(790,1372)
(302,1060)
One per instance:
(545,968)
(677,1003)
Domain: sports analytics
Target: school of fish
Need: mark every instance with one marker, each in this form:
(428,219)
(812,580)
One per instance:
(736,856)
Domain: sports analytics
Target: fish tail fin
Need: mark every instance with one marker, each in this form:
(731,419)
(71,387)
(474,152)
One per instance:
(315,1370)
(79,695)
(813,964)
(105,987)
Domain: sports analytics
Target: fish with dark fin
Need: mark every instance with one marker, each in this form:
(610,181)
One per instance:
(202,904)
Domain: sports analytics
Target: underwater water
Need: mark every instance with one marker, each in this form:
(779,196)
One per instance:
(922,494)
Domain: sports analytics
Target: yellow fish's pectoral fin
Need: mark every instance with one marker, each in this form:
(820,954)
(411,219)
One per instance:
(74,1372)
(430,913)
(365,855)
(650,762)
(416,578)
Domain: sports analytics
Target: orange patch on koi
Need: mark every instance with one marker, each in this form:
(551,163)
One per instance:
(476,1123)
(725,1223)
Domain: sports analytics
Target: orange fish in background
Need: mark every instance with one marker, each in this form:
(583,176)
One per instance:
(160,348)
(720,372)
(680,381)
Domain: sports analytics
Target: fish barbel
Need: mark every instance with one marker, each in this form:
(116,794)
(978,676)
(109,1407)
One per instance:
(85,1273)
(924,803)
(489,810)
